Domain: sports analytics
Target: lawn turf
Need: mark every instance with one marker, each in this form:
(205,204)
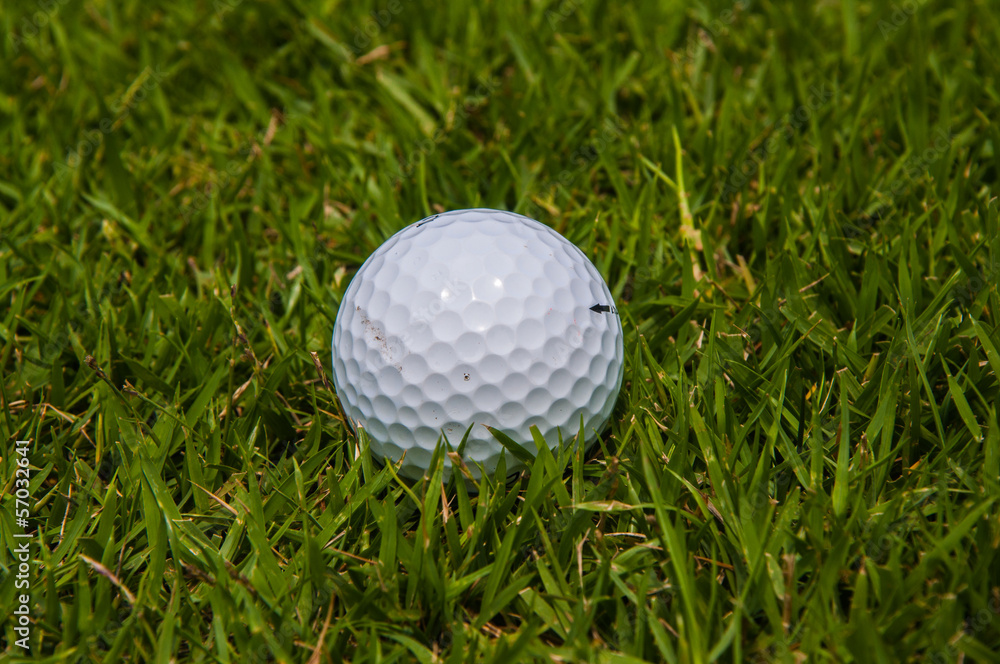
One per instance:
(793,203)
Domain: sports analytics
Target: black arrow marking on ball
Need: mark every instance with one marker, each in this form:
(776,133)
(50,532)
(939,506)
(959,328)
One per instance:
(426,221)
(604,309)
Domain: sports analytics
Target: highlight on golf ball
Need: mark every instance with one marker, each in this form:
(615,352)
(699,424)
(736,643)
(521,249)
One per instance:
(471,318)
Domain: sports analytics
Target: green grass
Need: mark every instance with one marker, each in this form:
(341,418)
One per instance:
(793,203)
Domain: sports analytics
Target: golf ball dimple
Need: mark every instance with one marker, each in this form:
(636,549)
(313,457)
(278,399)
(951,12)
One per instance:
(472,318)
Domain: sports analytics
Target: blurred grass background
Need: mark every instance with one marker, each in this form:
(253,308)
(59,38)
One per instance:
(793,204)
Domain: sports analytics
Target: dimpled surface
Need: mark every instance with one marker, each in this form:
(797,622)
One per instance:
(475,317)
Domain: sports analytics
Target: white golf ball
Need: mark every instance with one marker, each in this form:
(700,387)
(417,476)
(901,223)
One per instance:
(471,318)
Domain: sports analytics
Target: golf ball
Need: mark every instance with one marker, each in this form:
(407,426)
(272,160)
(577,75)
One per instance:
(470,318)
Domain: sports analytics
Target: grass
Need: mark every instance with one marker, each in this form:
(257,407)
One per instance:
(793,204)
